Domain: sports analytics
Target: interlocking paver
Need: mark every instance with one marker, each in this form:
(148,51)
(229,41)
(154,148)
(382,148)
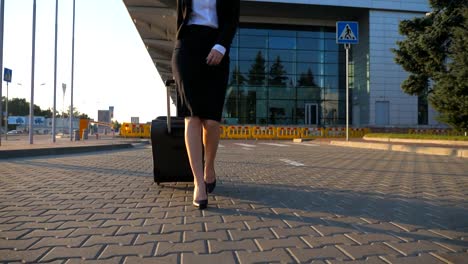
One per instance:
(30,256)
(344,205)
(65,252)
(144,250)
(102,240)
(223,257)
(164,248)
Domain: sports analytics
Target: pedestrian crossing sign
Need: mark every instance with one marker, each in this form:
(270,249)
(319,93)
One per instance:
(7,75)
(347,32)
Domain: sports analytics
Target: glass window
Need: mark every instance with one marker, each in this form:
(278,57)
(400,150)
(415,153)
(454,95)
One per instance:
(253,32)
(309,56)
(251,54)
(253,41)
(310,44)
(284,55)
(269,92)
(282,43)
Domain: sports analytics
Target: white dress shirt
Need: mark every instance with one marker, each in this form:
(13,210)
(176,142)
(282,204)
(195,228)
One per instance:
(204,13)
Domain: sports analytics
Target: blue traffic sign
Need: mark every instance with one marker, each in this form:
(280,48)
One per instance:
(347,32)
(7,75)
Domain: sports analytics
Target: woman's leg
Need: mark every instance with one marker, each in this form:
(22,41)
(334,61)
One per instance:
(193,143)
(211,135)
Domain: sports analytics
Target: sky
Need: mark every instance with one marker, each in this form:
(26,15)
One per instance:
(112,65)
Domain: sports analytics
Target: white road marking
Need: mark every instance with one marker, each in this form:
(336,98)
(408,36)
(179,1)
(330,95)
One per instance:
(221,146)
(244,148)
(291,162)
(245,145)
(275,144)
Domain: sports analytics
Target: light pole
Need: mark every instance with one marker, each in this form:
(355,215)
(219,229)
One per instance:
(72,73)
(31,107)
(6,114)
(2,13)
(55,74)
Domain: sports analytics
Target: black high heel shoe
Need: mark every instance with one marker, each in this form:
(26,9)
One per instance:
(202,204)
(210,186)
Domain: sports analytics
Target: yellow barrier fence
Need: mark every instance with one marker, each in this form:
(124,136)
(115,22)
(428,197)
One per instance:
(312,132)
(262,132)
(288,132)
(135,130)
(239,132)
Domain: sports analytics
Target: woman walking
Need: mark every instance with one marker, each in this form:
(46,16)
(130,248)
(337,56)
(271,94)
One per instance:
(200,64)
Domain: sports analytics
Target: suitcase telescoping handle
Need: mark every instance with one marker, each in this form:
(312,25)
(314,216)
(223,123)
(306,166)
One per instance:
(168,84)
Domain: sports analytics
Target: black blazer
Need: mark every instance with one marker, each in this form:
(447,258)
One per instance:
(228,19)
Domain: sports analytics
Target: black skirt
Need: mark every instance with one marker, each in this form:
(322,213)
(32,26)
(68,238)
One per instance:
(201,88)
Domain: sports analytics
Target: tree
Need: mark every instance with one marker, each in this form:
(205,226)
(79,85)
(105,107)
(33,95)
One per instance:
(306,79)
(237,77)
(435,54)
(257,71)
(277,73)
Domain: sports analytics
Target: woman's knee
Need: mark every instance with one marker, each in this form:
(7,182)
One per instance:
(193,120)
(210,124)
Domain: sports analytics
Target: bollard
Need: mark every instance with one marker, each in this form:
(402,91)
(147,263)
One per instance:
(85,134)
(76,134)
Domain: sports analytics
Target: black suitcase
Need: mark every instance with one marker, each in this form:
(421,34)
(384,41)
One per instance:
(171,163)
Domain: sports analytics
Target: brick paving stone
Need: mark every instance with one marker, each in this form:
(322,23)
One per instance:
(252,225)
(250,234)
(161,221)
(30,256)
(461,257)
(225,226)
(144,250)
(423,258)
(48,233)
(219,246)
(203,219)
(20,244)
(108,240)
(67,218)
(414,248)
(375,249)
(115,260)
(219,235)
(123,223)
(368,260)
(300,231)
(13,234)
(276,255)
(223,257)
(108,231)
(150,229)
(169,259)
(269,244)
(109,216)
(65,253)
(83,224)
(53,242)
(307,255)
(168,228)
(316,242)
(335,230)
(174,237)
(164,248)
(374,237)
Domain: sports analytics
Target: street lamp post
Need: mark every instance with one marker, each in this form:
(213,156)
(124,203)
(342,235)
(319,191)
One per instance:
(31,107)
(6,114)
(72,73)
(55,74)
(2,13)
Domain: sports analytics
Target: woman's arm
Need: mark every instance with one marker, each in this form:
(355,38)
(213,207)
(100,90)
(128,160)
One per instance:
(230,22)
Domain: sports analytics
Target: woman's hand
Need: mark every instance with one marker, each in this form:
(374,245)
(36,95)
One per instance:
(214,58)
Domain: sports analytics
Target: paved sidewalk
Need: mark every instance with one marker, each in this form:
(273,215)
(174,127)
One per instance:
(276,202)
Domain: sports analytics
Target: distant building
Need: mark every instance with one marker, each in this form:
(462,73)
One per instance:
(286,67)
(104,116)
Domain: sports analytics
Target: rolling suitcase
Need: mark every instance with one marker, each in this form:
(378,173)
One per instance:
(171,163)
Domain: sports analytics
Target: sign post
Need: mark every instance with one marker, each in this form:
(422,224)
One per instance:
(347,33)
(7,78)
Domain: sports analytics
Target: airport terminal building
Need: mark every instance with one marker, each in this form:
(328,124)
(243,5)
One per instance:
(286,68)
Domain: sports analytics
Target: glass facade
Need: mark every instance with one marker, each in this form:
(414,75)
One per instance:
(286,76)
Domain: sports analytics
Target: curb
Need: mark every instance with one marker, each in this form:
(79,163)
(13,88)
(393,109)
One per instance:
(426,141)
(22,153)
(440,151)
